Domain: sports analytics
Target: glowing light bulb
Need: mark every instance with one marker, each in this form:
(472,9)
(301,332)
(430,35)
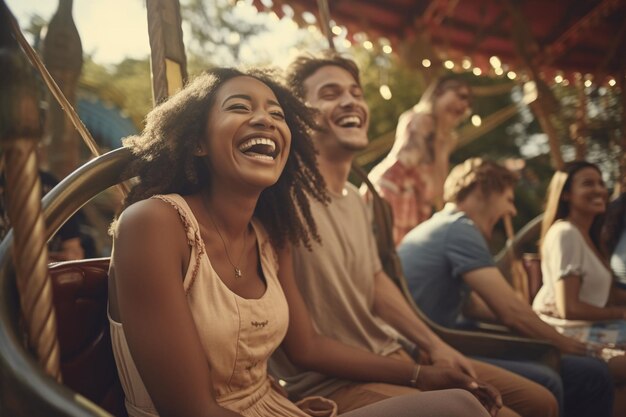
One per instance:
(426,63)
(385,92)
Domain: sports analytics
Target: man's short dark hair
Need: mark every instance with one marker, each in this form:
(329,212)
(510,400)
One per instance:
(477,173)
(306,65)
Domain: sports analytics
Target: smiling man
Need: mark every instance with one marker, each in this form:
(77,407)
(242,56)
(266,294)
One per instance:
(349,296)
(447,257)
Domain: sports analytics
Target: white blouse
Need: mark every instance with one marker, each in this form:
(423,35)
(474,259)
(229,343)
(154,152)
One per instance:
(565,252)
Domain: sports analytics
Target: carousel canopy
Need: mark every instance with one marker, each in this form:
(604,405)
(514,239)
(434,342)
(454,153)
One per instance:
(559,38)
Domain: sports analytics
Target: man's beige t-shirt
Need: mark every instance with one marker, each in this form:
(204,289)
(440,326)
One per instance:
(336,280)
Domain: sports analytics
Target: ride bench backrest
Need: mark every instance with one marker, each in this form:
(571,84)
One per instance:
(80,292)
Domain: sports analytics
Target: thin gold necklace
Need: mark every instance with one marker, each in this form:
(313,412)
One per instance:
(237,270)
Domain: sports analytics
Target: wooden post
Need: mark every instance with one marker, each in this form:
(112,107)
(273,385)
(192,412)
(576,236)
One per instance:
(322,7)
(621,83)
(528,51)
(63,56)
(578,129)
(20,130)
(168,60)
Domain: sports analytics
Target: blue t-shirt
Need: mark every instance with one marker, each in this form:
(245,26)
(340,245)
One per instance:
(434,257)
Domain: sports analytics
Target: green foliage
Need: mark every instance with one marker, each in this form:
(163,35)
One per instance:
(217,32)
(127,84)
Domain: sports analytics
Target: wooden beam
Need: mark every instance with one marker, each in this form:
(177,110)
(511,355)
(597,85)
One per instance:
(324,11)
(578,30)
(546,103)
(616,45)
(621,82)
(167,57)
(487,30)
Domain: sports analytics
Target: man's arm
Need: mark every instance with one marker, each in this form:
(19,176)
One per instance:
(391,305)
(476,308)
(491,286)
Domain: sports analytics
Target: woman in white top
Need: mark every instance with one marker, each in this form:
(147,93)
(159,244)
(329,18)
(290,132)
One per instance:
(578,287)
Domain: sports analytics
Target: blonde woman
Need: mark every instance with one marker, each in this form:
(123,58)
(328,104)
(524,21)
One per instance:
(411,177)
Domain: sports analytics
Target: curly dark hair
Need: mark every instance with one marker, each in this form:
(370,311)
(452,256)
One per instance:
(557,208)
(305,65)
(166,162)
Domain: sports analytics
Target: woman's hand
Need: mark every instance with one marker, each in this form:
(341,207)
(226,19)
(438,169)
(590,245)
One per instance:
(438,377)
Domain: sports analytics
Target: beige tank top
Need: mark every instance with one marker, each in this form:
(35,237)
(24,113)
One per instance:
(238,334)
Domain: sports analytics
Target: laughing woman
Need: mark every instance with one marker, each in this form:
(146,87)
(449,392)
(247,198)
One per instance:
(579,296)
(201,250)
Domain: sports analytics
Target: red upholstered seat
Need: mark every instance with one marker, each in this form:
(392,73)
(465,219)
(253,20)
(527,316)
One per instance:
(87,363)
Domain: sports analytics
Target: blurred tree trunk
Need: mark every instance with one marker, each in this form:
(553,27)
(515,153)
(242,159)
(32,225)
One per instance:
(578,129)
(63,56)
(622,163)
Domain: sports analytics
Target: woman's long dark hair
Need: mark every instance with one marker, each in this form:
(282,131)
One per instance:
(557,208)
(614,223)
(166,162)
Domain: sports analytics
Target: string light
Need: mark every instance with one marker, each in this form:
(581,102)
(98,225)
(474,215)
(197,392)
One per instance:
(274,17)
(588,83)
(466,63)
(385,92)
(233,38)
(499,71)
(511,74)
(558,79)
(477,71)
(387,49)
(309,18)
(448,64)
(612,82)
(476,120)
(426,63)
(336,30)
(288,10)
(495,62)
(368,45)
